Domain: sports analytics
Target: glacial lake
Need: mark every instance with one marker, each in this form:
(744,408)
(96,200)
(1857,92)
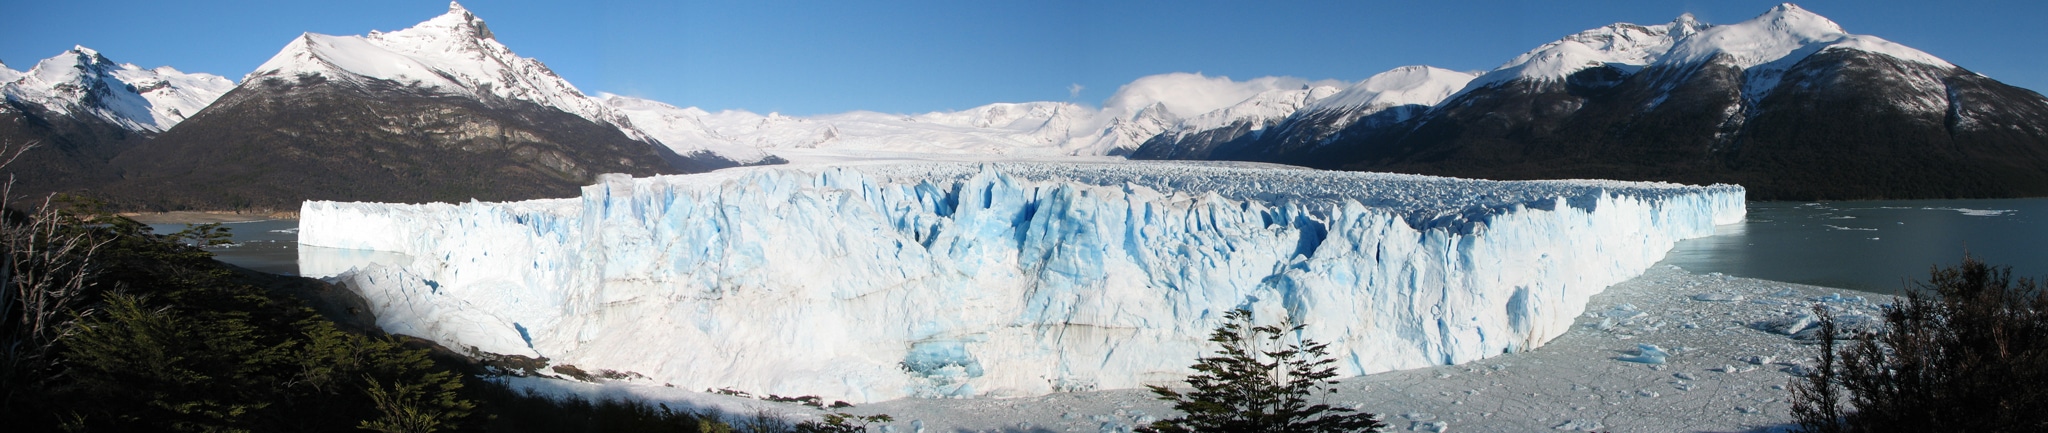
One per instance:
(1872,246)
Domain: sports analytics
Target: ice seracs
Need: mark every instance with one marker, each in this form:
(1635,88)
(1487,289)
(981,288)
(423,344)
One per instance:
(879,281)
(81,81)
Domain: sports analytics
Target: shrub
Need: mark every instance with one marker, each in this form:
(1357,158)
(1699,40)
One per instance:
(1965,351)
(1260,382)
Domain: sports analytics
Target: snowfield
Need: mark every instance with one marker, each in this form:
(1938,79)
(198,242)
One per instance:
(880,281)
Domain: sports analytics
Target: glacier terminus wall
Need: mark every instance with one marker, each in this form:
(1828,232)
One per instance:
(882,281)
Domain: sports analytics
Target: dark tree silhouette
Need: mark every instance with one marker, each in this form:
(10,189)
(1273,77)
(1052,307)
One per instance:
(1965,351)
(1260,382)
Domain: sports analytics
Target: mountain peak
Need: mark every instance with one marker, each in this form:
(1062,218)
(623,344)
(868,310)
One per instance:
(1791,17)
(460,22)
(86,56)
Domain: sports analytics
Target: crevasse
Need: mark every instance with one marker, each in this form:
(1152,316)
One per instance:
(883,281)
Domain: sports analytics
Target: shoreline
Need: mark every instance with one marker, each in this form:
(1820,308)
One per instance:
(1727,371)
(207,217)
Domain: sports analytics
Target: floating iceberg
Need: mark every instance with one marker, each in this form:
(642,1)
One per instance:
(882,281)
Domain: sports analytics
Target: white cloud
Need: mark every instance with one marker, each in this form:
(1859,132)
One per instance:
(1189,94)
(1074,90)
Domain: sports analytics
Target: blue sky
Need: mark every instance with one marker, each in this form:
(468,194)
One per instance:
(914,56)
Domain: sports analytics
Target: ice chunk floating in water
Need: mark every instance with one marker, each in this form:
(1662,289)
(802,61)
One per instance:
(876,282)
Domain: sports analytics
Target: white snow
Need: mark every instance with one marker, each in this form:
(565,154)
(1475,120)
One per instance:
(880,281)
(82,81)
(8,75)
(1406,85)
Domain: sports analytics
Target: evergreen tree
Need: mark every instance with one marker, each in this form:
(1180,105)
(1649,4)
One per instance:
(1259,381)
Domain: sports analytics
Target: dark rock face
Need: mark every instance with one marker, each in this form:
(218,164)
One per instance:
(1839,124)
(272,144)
(70,153)
(1198,145)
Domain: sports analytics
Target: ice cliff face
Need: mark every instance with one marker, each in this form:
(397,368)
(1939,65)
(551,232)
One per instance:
(883,281)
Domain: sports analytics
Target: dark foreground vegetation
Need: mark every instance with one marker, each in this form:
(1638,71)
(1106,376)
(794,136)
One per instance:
(1965,351)
(107,326)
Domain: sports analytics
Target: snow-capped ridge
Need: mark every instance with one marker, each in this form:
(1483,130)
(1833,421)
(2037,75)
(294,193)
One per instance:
(1785,33)
(83,81)
(1619,44)
(1407,85)
(1782,35)
(682,130)
(1260,110)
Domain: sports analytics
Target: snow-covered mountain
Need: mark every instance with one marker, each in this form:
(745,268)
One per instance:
(81,82)
(1309,119)
(1200,135)
(454,53)
(1787,103)
(1141,110)
(437,112)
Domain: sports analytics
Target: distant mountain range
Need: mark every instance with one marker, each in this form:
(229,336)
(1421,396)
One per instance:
(1787,104)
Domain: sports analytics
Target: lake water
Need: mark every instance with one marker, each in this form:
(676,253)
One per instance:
(1873,246)
(269,246)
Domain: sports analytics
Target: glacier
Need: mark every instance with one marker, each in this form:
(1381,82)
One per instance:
(880,281)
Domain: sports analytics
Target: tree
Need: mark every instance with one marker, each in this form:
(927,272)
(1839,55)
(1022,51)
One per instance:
(1965,351)
(1817,400)
(1260,381)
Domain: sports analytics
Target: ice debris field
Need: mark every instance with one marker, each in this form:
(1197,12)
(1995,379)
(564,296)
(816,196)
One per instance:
(881,281)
